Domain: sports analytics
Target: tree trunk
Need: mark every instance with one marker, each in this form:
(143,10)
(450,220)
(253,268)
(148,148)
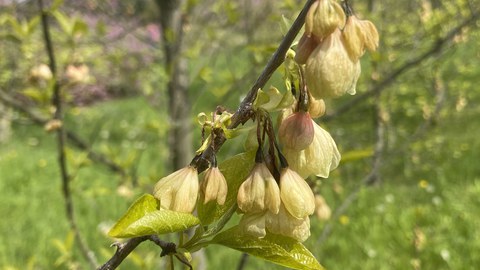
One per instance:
(180,136)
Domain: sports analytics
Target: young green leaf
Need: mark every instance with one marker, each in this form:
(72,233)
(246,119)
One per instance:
(235,170)
(160,222)
(142,206)
(274,248)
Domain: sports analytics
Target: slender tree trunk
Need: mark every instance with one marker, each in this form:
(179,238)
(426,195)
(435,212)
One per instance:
(180,137)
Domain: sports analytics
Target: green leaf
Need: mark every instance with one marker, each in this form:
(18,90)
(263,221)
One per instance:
(262,98)
(144,218)
(79,28)
(356,155)
(63,21)
(142,206)
(235,170)
(274,248)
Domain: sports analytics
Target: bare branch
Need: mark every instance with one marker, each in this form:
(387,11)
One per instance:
(57,101)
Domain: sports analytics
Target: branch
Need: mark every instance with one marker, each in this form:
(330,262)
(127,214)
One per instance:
(382,85)
(57,102)
(72,137)
(124,249)
(244,111)
(242,115)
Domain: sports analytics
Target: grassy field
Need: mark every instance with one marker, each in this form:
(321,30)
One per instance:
(423,216)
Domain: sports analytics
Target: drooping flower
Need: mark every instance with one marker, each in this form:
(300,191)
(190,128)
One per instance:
(179,190)
(253,224)
(296,195)
(214,186)
(358,36)
(285,224)
(330,71)
(319,158)
(323,17)
(259,192)
(316,107)
(296,131)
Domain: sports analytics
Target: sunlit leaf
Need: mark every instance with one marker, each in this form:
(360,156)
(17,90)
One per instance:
(356,155)
(274,248)
(142,206)
(235,170)
(144,218)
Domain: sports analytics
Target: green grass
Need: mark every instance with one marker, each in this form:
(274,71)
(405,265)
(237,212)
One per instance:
(433,197)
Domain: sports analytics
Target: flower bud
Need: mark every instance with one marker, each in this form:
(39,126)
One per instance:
(285,224)
(296,131)
(323,17)
(40,73)
(178,191)
(253,224)
(319,158)
(359,35)
(295,194)
(330,72)
(214,186)
(259,192)
(306,45)
(322,210)
(316,107)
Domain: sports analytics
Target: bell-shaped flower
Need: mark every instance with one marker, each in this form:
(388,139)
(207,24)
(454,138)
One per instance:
(330,71)
(296,195)
(296,131)
(259,192)
(358,36)
(319,158)
(214,186)
(285,224)
(323,17)
(253,224)
(179,190)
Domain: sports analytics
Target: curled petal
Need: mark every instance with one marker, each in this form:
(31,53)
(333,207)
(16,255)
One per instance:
(253,224)
(285,224)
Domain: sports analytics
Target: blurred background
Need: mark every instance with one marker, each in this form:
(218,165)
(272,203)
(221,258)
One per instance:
(134,76)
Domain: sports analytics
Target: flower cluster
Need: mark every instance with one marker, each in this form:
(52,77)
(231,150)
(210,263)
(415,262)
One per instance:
(281,209)
(275,197)
(331,47)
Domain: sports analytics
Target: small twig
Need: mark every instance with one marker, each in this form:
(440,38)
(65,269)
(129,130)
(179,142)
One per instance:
(381,86)
(57,102)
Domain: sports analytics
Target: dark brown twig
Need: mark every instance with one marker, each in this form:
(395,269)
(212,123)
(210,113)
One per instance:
(57,102)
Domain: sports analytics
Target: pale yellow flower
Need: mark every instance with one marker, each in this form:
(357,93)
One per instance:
(322,210)
(358,36)
(253,224)
(214,186)
(285,224)
(323,17)
(330,71)
(259,191)
(319,158)
(179,190)
(296,195)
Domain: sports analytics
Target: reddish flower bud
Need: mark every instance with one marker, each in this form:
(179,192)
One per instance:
(296,131)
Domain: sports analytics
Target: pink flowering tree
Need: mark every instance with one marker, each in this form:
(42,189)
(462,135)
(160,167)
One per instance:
(265,185)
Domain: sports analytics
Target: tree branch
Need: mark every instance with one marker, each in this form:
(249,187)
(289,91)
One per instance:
(57,102)
(389,79)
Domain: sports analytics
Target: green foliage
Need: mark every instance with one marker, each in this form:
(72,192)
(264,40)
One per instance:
(145,217)
(274,248)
